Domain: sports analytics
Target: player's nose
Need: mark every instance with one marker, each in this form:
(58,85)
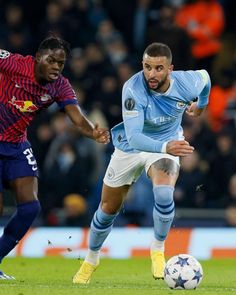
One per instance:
(152,73)
(55,66)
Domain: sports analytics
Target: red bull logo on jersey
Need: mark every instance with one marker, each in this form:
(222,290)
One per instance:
(23,105)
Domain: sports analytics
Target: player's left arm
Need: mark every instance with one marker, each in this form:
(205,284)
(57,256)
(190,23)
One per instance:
(196,108)
(86,127)
(67,101)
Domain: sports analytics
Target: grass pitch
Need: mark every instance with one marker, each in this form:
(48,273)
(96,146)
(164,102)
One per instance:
(53,275)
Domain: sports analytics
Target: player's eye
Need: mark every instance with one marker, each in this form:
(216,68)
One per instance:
(60,63)
(148,67)
(159,68)
(50,61)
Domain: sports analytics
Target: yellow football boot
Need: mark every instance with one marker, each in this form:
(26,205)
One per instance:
(158,264)
(84,274)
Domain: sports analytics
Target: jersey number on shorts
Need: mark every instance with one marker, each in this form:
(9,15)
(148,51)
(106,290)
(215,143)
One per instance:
(30,158)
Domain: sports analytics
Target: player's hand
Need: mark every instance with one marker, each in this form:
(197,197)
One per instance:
(101,135)
(180,148)
(193,110)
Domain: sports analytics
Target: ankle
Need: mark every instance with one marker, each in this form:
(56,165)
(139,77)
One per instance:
(157,245)
(92,257)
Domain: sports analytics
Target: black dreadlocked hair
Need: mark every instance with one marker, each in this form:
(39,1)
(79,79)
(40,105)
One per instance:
(53,42)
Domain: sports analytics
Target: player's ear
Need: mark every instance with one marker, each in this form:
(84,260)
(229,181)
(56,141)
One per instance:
(38,57)
(171,67)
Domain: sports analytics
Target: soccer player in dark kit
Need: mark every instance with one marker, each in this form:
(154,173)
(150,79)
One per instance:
(27,85)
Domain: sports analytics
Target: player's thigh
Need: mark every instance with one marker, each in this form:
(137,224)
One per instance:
(163,169)
(113,198)
(21,171)
(1,188)
(123,169)
(25,188)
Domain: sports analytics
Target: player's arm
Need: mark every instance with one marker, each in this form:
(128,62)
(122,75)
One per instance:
(86,127)
(133,122)
(133,109)
(196,108)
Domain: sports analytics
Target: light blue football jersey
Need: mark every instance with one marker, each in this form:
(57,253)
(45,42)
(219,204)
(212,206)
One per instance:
(150,118)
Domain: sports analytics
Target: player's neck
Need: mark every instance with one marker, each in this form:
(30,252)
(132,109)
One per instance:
(164,87)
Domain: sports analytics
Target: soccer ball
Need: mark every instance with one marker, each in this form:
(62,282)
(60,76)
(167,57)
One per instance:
(183,271)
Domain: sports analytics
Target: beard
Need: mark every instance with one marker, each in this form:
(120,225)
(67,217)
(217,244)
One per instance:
(155,85)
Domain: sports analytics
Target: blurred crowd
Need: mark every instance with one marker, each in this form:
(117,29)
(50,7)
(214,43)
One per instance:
(107,38)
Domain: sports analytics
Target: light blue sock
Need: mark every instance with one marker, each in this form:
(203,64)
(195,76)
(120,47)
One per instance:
(163,211)
(101,226)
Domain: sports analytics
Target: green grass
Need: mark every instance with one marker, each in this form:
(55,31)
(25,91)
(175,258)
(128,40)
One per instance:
(117,277)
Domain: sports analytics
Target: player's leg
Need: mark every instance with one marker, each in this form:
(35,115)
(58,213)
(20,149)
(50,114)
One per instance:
(19,168)
(1,185)
(26,211)
(163,174)
(1,204)
(103,220)
(3,276)
(123,170)
(101,225)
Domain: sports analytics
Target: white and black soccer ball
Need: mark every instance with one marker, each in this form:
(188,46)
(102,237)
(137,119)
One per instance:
(183,271)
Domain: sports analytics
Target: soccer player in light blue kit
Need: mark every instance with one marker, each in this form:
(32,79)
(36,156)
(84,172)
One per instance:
(151,138)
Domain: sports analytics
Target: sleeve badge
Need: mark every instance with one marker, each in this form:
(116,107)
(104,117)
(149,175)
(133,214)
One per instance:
(129,104)
(4,53)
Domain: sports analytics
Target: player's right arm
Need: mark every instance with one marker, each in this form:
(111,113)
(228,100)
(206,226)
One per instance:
(133,117)
(133,111)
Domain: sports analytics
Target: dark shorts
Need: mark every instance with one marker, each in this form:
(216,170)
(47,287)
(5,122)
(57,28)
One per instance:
(16,160)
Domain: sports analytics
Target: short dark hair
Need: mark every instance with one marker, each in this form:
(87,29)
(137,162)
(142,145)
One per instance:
(54,42)
(158,49)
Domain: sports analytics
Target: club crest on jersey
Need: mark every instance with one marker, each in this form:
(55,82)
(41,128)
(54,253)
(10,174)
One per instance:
(129,104)
(180,105)
(111,173)
(4,53)
(23,105)
(45,97)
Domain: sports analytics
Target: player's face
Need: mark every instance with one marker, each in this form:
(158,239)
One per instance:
(49,65)
(156,71)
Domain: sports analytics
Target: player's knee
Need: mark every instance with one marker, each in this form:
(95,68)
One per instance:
(163,194)
(109,208)
(102,220)
(164,199)
(36,208)
(29,209)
